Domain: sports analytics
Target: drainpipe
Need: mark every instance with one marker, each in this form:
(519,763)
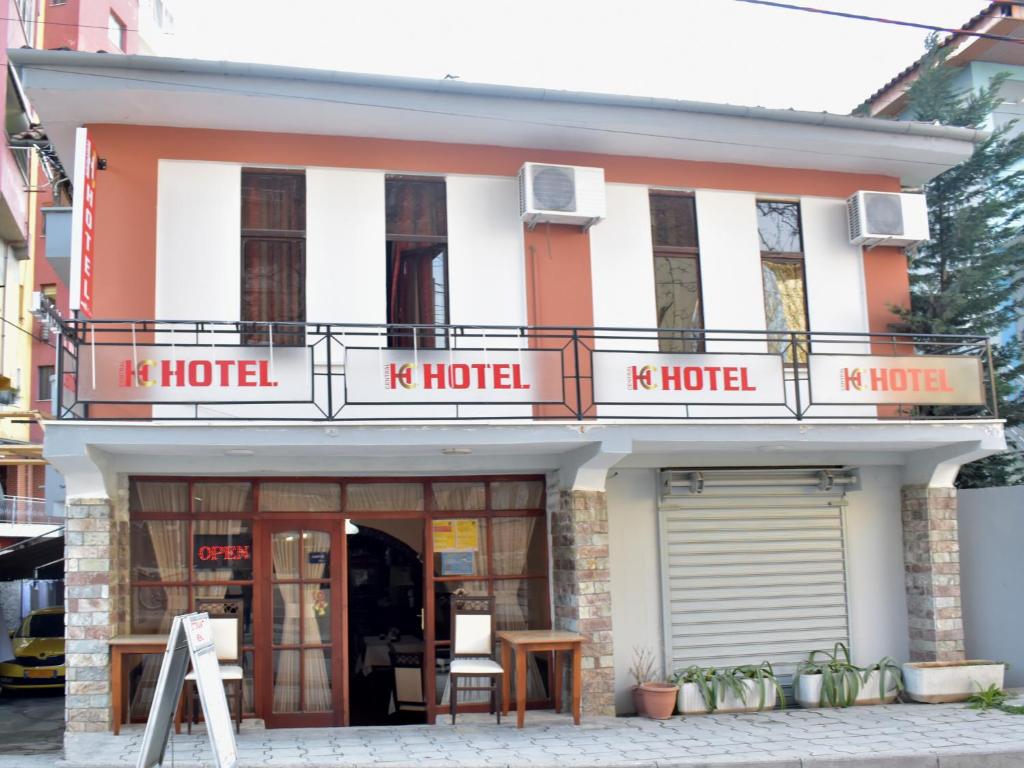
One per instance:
(3,312)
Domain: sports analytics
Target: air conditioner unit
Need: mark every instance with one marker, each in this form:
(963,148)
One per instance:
(561,194)
(887,218)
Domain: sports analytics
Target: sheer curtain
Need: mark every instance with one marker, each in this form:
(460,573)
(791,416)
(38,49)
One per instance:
(318,684)
(384,497)
(284,551)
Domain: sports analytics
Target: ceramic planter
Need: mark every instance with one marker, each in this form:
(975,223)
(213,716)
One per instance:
(656,700)
(934,682)
(691,701)
(639,702)
(808,691)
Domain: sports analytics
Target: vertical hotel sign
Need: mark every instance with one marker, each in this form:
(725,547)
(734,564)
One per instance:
(83,223)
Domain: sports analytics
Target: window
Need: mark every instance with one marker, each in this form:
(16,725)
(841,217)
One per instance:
(116,31)
(49,292)
(782,270)
(677,272)
(273,257)
(417,260)
(45,382)
(58,2)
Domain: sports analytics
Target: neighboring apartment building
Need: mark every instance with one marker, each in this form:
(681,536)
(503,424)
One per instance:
(979,59)
(343,361)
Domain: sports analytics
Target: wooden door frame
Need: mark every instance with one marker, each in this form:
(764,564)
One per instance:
(262,639)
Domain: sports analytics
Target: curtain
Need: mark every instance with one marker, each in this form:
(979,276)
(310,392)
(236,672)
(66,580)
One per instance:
(300,497)
(458,496)
(284,550)
(417,292)
(222,497)
(317,675)
(382,497)
(517,494)
(170,497)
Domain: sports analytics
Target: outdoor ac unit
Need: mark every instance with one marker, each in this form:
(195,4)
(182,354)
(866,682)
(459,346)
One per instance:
(561,194)
(887,218)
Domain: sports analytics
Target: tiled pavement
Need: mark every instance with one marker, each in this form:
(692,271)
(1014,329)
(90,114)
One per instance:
(904,735)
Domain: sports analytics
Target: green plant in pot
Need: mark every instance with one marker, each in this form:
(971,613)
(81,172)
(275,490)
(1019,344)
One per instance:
(831,679)
(746,688)
(653,698)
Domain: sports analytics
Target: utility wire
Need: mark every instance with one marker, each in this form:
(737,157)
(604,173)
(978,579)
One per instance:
(27,22)
(882,20)
(25,330)
(495,118)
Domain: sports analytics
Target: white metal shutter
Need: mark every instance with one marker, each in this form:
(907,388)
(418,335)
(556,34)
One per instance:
(753,565)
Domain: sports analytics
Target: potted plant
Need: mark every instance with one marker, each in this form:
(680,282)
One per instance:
(933,682)
(641,669)
(831,679)
(746,688)
(653,699)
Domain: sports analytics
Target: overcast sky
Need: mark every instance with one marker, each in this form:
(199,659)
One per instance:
(708,50)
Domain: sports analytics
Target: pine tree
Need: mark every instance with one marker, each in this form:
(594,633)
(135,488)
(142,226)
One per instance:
(969,279)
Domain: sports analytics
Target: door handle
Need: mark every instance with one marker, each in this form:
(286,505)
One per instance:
(422,625)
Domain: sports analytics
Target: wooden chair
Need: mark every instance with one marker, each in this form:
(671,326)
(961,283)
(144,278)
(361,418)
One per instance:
(408,671)
(227,642)
(473,649)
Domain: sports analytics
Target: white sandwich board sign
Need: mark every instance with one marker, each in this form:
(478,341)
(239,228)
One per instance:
(191,639)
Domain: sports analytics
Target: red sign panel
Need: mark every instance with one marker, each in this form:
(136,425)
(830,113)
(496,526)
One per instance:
(83,224)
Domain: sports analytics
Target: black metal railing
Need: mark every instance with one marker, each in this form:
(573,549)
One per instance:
(226,370)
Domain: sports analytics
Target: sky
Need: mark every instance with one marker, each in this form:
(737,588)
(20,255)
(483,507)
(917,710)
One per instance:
(705,50)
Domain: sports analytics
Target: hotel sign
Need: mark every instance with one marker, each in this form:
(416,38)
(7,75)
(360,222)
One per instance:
(910,380)
(429,376)
(164,374)
(622,377)
(83,223)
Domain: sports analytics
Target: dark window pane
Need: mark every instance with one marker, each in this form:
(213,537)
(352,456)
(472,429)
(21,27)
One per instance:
(677,288)
(45,382)
(274,288)
(778,227)
(415,208)
(785,307)
(222,550)
(417,291)
(673,221)
(273,201)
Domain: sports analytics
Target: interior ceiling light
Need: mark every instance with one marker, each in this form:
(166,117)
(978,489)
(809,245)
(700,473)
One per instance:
(351,528)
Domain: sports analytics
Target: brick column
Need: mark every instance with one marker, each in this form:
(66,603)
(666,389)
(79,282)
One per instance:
(94,605)
(931,557)
(582,589)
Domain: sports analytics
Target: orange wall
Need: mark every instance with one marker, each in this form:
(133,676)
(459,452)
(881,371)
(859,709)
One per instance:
(126,203)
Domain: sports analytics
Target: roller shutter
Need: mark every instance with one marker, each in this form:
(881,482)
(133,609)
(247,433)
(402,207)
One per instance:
(753,565)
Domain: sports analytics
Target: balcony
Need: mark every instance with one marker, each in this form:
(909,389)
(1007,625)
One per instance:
(24,510)
(215,370)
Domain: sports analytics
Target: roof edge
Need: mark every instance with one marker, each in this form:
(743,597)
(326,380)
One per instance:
(203,67)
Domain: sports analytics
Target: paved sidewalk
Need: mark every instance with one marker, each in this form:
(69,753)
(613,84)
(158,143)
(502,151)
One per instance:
(904,735)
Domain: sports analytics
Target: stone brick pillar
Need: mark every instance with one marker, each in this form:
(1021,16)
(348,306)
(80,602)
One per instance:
(94,606)
(582,589)
(931,557)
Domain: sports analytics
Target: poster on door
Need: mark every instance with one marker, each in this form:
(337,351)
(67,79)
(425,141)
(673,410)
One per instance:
(456,535)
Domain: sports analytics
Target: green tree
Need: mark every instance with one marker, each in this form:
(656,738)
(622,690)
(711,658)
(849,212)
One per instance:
(969,279)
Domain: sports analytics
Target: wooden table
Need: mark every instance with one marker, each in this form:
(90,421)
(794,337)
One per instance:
(119,648)
(537,641)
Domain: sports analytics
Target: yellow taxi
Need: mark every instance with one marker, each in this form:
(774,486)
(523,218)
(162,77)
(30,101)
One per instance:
(38,652)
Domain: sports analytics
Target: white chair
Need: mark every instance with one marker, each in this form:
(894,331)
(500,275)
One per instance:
(227,644)
(473,649)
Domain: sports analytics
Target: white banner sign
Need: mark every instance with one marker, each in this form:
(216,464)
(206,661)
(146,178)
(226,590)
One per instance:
(157,374)
(453,376)
(698,379)
(912,380)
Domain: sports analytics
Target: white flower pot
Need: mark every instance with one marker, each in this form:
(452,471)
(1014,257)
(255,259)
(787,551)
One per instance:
(691,702)
(938,681)
(808,691)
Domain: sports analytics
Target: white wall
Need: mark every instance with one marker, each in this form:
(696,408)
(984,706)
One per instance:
(874,550)
(345,259)
(730,265)
(198,250)
(635,574)
(991,524)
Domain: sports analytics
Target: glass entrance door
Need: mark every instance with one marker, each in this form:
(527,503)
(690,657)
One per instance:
(306,634)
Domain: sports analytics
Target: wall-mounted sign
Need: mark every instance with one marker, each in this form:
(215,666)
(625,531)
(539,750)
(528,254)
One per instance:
(83,223)
(910,380)
(461,535)
(164,374)
(458,563)
(213,550)
(528,376)
(693,379)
